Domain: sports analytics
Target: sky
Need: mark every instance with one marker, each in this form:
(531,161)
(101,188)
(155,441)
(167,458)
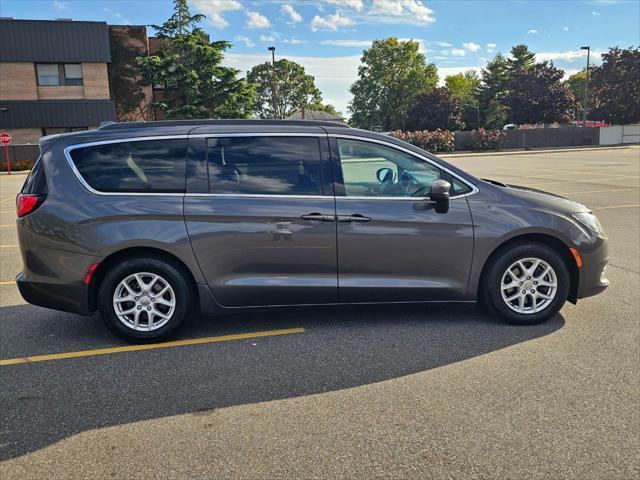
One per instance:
(327,36)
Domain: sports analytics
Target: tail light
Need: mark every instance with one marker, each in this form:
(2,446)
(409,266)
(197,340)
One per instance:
(27,203)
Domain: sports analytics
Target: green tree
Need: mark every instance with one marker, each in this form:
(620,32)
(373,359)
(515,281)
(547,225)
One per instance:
(536,94)
(521,58)
(465,87)
(616,87)
(294,89)
(437,109)
(493,88)
(392,73)
(188,65)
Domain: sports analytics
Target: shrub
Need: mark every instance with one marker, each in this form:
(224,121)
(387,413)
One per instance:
(434,141)
(482,139)
(16,166)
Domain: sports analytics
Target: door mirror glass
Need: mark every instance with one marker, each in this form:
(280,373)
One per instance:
(385,175)
(439,191)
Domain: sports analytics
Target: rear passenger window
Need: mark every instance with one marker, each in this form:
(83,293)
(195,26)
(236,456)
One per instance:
(140,166)
(264,165)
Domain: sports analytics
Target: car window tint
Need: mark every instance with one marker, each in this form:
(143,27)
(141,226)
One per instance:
(264,165)
(140,166)
(373,170)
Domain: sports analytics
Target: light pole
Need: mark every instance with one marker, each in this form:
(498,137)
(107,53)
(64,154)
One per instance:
(273,79)
(586,86)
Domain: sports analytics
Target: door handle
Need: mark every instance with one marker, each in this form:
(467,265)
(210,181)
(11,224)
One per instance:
(319,217)
(356,217)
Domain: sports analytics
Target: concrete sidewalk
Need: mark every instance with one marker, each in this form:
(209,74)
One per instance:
(468,153)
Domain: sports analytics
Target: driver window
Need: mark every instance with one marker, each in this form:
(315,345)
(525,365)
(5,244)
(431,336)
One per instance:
(372,170)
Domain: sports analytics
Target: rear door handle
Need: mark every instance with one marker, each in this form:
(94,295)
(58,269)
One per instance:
(319,217)
(356,217)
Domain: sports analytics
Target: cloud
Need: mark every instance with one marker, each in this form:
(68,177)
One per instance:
(567,56)
(246,40)
(257,20)
(294,41)
(60,6)
(472,47)
(117,15)
(442,44)
(215,9)
(595,14)
(401,11)
(330,22)
(358,5)
(533,31)
(566,29)
(347,43)
(268,38)
(490,47)
(294,16)
(454,52)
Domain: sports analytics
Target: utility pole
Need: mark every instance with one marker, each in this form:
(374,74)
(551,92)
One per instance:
(273,79)
(586,87)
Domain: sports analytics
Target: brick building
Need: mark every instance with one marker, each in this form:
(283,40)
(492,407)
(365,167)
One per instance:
(53,77)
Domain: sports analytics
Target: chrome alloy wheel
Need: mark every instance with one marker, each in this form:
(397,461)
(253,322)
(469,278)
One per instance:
(529,285)
(144,301)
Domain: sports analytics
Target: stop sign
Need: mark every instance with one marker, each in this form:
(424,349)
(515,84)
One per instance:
(5,138)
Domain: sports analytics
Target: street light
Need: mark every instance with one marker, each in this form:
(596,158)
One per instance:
(273,78)
(586,86)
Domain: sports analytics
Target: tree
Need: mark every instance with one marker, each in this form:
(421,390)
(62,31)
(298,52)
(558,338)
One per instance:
(188,65)
(521,58)
(616,87)
(437,109)
(536,94)
(294,89)
(493,88)
(391,75)
(465,88)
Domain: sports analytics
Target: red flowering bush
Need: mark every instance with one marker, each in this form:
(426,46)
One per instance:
(432,141)
(482,139)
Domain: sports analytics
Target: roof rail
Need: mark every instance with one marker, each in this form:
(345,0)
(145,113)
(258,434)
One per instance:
(194,123)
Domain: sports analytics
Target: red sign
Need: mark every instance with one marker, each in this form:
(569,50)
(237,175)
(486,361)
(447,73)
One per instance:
(5,138)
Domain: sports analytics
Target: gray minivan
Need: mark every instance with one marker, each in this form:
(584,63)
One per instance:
(150,222)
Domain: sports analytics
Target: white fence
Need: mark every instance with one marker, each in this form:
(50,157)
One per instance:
(620,134)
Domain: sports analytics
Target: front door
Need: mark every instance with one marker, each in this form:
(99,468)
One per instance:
(265,234)
(393,244)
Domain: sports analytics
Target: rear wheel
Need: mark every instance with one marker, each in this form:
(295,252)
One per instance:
(527,283)
(144,299)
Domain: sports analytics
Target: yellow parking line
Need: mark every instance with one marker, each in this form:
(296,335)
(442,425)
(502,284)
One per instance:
(600,191)
(151,346)
(4,200)
(8,282)
(7,226)
(9,246)
(631,205)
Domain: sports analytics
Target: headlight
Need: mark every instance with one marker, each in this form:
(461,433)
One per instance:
(590,221)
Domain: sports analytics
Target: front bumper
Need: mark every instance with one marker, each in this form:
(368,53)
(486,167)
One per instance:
(592,279)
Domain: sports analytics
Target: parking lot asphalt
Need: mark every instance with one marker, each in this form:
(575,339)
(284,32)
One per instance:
(357,392)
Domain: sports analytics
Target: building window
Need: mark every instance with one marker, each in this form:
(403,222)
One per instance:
(59,74)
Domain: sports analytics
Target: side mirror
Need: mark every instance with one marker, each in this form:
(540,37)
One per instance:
(384,175)
(439,191)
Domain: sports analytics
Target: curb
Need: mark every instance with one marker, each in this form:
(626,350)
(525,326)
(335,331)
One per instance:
(528,152)
(19,172)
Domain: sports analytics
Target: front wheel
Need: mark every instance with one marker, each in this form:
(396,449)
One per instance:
(144,299)
(527,283)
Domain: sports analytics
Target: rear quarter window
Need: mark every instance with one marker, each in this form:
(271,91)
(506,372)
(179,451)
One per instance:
(36,182)
(145,166)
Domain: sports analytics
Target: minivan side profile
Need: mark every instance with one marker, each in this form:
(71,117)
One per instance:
(148,222)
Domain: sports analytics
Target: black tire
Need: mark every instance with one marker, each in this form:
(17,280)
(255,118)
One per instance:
(172,274)
(491,282)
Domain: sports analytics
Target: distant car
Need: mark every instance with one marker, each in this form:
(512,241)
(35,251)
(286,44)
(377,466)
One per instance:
(510,126)
(148,222)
